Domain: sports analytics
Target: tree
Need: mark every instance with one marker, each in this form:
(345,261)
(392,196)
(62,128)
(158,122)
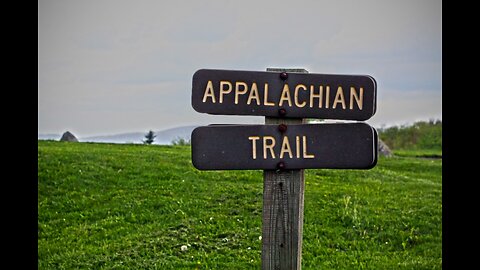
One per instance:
(150,137)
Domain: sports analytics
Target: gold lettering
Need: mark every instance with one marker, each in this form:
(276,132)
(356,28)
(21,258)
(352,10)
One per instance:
(300,105)
(297,144)
(209,92)
(327,96)
(286,147)
(359,100)
(339,98)
(237,90)
(268,146)
(254,145)
(305,155)
(253,94)
(265,101)
(285,96)
(225,91)
(319,96)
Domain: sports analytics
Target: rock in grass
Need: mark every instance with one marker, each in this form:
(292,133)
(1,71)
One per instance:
(383,149)
(68,137)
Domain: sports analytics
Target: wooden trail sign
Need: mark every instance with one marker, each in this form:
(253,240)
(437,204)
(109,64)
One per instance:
(286,145)
(284,94)
(271,147)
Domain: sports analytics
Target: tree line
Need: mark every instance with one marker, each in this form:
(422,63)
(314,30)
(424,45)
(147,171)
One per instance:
(419,135)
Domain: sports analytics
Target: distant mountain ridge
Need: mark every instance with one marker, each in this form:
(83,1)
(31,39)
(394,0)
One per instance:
(162,136)
(49,136)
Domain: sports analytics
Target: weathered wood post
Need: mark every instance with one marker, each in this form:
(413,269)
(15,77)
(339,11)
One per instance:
(282,216)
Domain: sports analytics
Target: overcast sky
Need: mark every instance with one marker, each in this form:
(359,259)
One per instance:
(108,67)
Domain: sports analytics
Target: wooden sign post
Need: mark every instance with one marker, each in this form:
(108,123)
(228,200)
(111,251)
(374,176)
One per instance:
(282,215)
(286,144)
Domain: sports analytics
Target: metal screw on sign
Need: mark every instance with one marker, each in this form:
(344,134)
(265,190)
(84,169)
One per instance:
(282,128)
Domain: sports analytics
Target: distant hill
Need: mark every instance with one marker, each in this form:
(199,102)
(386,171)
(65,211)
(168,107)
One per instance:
(49,136)
(163,136)
(131,137)
(168,135)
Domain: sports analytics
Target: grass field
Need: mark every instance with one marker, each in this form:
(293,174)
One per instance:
(107,206)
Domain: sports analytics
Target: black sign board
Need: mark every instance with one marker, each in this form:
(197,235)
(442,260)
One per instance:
(282,94)
(270,147)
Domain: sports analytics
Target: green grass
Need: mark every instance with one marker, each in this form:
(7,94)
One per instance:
(106,206)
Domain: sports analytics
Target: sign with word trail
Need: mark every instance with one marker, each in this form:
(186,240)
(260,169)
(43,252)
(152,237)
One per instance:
(270,147)
(282,94)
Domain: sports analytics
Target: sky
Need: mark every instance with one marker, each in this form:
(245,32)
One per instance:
(115,66)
